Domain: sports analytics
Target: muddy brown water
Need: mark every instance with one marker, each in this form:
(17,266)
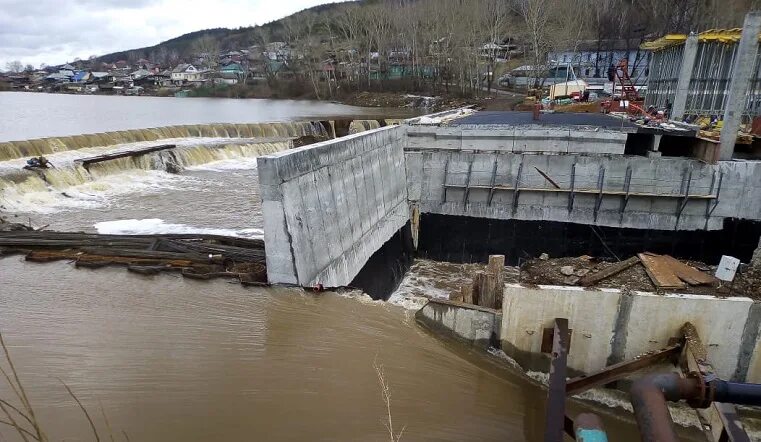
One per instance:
(174,359)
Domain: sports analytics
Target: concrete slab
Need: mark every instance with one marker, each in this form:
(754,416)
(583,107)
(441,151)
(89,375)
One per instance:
(591,315)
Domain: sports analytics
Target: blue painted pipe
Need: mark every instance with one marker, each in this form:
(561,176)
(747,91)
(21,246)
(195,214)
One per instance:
(588,428)
(736,392)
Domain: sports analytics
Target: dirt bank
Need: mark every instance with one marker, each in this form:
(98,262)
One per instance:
(428,103)
(568,271)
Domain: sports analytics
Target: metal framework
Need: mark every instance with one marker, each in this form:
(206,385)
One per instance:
(711,397)
(711,74)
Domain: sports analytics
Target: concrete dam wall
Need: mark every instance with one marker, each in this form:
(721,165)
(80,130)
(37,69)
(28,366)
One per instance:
(328,207)
(604,190)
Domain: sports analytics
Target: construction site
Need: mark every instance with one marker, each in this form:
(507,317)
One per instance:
(616,243)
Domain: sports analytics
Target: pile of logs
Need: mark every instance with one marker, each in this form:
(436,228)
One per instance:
(488,285)
(195,256)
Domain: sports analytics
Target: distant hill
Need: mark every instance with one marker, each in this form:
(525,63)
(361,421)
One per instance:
(228,39)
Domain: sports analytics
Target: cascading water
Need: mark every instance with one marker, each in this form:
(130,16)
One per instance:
(358,126)
(196,145)
(42,190)
(45,146)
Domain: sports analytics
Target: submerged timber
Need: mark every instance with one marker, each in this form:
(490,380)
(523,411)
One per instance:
(195,256)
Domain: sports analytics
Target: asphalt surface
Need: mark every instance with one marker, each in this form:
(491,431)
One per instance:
(555,119)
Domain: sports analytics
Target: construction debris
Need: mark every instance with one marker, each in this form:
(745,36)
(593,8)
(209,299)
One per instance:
(645,272)
(195,256)
(592,278)
(660,272)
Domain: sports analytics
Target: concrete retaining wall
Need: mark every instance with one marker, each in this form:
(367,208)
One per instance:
(477,326)
(329,206)
(429,169)
(610,326)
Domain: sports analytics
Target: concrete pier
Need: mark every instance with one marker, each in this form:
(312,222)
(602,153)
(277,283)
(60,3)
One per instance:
(685,75)
(742,75)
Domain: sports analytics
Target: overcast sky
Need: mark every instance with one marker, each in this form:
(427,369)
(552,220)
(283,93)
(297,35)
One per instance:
(57,31)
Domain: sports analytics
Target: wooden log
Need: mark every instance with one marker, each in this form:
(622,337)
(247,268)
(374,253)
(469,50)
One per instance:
(149,254)
(496,268)
(146,270)
(475,288)
(593,278)
(466,292)
(86,162)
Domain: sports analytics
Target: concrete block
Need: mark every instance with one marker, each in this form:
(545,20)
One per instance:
(719,321)
(477,326)
(591,316)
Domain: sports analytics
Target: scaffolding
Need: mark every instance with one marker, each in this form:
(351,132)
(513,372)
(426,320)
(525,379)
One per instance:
(711,74)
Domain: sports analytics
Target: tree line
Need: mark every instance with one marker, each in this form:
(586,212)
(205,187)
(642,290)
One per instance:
(441,46)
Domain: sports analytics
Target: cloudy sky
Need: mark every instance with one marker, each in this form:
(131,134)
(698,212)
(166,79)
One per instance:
(57,31)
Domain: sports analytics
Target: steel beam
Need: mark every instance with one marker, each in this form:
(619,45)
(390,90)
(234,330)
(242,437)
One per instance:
(555,411)
(616,371)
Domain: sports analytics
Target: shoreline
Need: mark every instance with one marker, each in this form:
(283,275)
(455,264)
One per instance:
(502,100)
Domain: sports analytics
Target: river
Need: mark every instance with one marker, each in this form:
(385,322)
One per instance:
(165,358)
(25,115)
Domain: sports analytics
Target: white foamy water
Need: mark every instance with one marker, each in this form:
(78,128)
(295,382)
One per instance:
(70,186)
(67,158)
(428,279)
(243,163)
(158,226)
(90,194)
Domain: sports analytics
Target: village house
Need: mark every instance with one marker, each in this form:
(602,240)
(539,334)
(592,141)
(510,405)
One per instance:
(187,73)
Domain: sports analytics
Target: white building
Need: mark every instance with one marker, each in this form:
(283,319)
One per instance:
(187,73)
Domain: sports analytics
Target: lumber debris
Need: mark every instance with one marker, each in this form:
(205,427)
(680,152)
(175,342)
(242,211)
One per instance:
(689,274)
(660,271)
(593,278)
(195,256)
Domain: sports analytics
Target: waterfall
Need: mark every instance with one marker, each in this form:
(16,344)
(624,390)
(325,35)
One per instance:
(10,150)
(358,126)
(18,186)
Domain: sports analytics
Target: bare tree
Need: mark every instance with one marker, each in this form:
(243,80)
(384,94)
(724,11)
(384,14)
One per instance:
(207,49)
(306,53)
(535,15)
(495,16)
(14,66)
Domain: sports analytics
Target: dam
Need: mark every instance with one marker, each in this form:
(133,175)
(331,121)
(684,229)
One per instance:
(467,189)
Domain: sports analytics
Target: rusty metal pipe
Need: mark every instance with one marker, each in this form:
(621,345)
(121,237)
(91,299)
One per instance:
(648,397)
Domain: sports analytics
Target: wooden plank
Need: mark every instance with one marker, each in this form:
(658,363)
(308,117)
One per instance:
(689,274)
(659,271)
(592,278)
